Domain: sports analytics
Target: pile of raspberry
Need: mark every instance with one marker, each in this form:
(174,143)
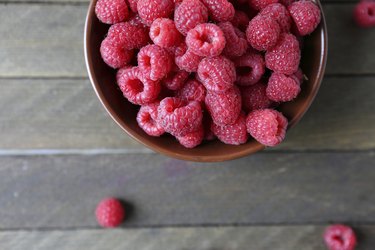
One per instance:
(201,69)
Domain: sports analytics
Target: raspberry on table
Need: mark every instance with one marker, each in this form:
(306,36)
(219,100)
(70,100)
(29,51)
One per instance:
(340,237)
(189,14)
(176,80)
(147,119)
(306,16)
(110,213)
(111,11)
(255,97)
(154,62)
(193,90)
(129,35)
(240,20)
(192,139)
(185,59)
(263,32)
(236,43)
(135,87)
(282,88)
(261,4)
(163,33)
(250,68)
(364,14)
(234,134)
(133,5)
(220,10)
(149,10)
(114,55)
(280,13)
(206,40)
(285,56)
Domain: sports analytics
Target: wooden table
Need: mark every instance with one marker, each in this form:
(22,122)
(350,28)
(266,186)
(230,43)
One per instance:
(61,154)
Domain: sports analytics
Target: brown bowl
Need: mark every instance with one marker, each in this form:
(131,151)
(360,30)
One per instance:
(102,77)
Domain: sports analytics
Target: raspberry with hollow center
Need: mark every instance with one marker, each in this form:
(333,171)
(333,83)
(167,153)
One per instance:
(280,13)
(236,43)
(111,11)
(220,10)
(129,34)
(163,33)
(261,4)
(250,68)
(149,10)
(364,14)
(263,32)
(193,90)
(189,14)
(110,213)
(255,97)
(192,139)
(114,55)
(147,119)
(340,237)
(154,62)
(176,80)
(306,15)
(185,59)
(282,88)
(235,134)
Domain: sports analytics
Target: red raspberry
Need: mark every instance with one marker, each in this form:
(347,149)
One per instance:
(135,87)
(267,126)
(298,76)
(220,10)
(340,237)
(114,55)
(250,68)
(255,97)
(192,91)
(129,35)
(240,20)
(110,213)
(217,73)
(133,5)
(285,56)
(234,134)
(176,80)
(192,139)
(163,32)
(189,14)
(306,16)
(179,118)
(185,59)
(206,40)
(149,10)
(280,13)
(154,62)
(236,43)
(261,4)
(111,11)
(224,107)
(147,119)
(364,14)
(282,88)
(263,32)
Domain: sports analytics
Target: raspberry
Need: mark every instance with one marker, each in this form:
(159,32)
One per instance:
(206,40)
(267,126)
(234,134)
(250,68)
(129,35)
(192,139)
(236,44)
(261,4)
(285,56)
(220,10)
(298,76)
(185,59)
(255,97)
(147,119)
(135,87)
(280,13)
(179,118)
(364,14)
(163,32)
(192,91)
(176,80)
(154,62)
(240,20)
(189,14)
(263,32)
(306,16)
(111,11)
(340,237)
(114,55)
(224,107)
(149,10)
(110,213)
(282,88)
(133,5)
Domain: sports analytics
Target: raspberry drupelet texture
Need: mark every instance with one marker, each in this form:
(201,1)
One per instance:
(263,32)
(267,126)
(133,5)
(149,10)
(147,119)
(206,40)
(135,87)
(217,73)
(236,43)
(340,237)
(306,16)
(163,33)
(176,80)
(129,34)
(192,139)
(261,4)
(364,14)
(220,10)
(285,56)
(193,90)
(110,213)
(282,88)
(255,97)
(154,62)
(250,68)
(234,134)
(114,55)
(189,14)
(280,13)
(185,59)
(240,20)
(111,11)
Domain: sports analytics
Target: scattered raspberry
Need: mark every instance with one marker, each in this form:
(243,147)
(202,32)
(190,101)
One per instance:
(263,32)
(154,62)
(114,55)
(267,126)
(240,20)
(189,14)
(282,88)
(250,68)
(135,87)
(255,97)
(280,13)
(235,134)
(179,118)
(236,43)
(306,16)
(147,119)
(163,33)
(340,237)
(185,59)
(110,213)
(176,80)
(224,107)
(130,36)
(285,56)
(192,139)
(206,40)
(111,11)
(261,4)
(149,10)
(217,73)
(220,10)
(192,91)
(364,14)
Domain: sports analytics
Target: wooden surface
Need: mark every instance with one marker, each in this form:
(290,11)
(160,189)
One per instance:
(60,153)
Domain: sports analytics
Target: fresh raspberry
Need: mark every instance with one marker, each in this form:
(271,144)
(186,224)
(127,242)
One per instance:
(133,5)
(240,20)
(340,237)
(192,139)
(185,59)
(217,73)
(163,32)
(285,56)
(189,14)
(261,4)
(136,20)
(193,90)
(255,97)
(306,16)
(111,11)
(250,68)
(236,43)
(263,32)
(298,76)
(220,10)
(130,36)
(364,14)
(280,13)
(282,88)
(149,10)
(176,80)
(114,55)
(147,119)
(206,40)
(224,107)
(154,62)
(135,87)
(178,117)
(110,213)
(235,134)
(267,126)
